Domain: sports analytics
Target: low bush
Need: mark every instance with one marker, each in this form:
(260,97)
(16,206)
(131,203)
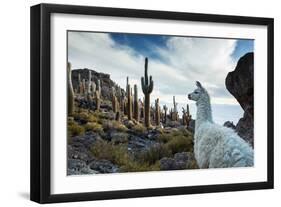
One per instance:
(114,125)
(180,144)
(154,153)
(118,154)
(93,126)
(139,128)
(180,140)
(74,129)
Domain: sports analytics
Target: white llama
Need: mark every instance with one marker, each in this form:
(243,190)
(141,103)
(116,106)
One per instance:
(216,146)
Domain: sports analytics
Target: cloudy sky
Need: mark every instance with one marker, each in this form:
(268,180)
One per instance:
(175,63)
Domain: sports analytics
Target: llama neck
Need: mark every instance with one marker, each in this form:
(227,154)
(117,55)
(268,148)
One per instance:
(204,111)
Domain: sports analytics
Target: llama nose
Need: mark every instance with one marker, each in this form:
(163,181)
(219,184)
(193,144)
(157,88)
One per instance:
(189,96)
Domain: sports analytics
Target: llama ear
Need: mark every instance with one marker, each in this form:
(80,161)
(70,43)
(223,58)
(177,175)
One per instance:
(198,84)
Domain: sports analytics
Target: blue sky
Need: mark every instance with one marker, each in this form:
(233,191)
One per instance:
(142,44)
(174,62)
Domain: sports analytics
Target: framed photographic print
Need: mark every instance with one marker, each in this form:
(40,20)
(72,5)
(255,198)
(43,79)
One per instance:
(133,103)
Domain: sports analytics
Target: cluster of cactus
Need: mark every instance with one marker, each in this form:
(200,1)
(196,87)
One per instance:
(174,111)
(70,92)
(147,87)
(127,102)
(186,117)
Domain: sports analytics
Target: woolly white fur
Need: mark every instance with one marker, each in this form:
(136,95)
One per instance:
(216,146)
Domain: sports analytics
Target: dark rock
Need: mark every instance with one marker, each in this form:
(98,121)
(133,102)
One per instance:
(103,166)
(78,167)
(182,160)
(137,143)
(78,153)
(240,83)
(229,124)
(118,137)
(86,140)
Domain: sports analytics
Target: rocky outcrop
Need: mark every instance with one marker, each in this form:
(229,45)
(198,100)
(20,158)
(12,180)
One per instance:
(105,81)
(240,83)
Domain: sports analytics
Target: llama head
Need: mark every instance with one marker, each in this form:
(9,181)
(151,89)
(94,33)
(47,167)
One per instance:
(198,93)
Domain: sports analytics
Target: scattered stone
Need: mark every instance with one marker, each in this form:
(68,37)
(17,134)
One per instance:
(118,137)
(103,166)
(78,167)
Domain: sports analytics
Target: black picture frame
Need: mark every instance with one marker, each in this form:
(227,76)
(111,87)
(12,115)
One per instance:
(41,99)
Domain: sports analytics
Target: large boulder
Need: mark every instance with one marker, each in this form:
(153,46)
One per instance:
(240,83)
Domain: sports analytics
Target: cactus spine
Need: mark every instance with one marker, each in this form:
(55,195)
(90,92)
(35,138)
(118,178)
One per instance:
(147,87)
(70,98)
(136,103)
(157,112)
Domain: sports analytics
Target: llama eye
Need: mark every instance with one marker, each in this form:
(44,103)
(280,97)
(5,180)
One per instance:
(196,92)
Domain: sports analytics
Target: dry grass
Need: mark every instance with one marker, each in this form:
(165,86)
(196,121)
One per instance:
(114,125)
(93,126)
(74,129)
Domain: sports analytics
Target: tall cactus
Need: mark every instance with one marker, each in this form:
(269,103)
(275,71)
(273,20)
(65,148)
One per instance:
(187,110)
(98,86)
(83,87)
(157,112)
(79,85)
(93,88)
(97,97)
(70,94)
(89,82)
(175,111)
(136,103)
(129,102)
(98,94)
(165,113)
(127,83)
(147,87)
(183,116)
(114,101)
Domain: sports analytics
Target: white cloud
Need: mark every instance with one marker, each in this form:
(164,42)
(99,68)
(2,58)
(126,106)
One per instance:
(182,62)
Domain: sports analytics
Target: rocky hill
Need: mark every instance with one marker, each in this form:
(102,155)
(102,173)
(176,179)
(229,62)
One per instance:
(106,131)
